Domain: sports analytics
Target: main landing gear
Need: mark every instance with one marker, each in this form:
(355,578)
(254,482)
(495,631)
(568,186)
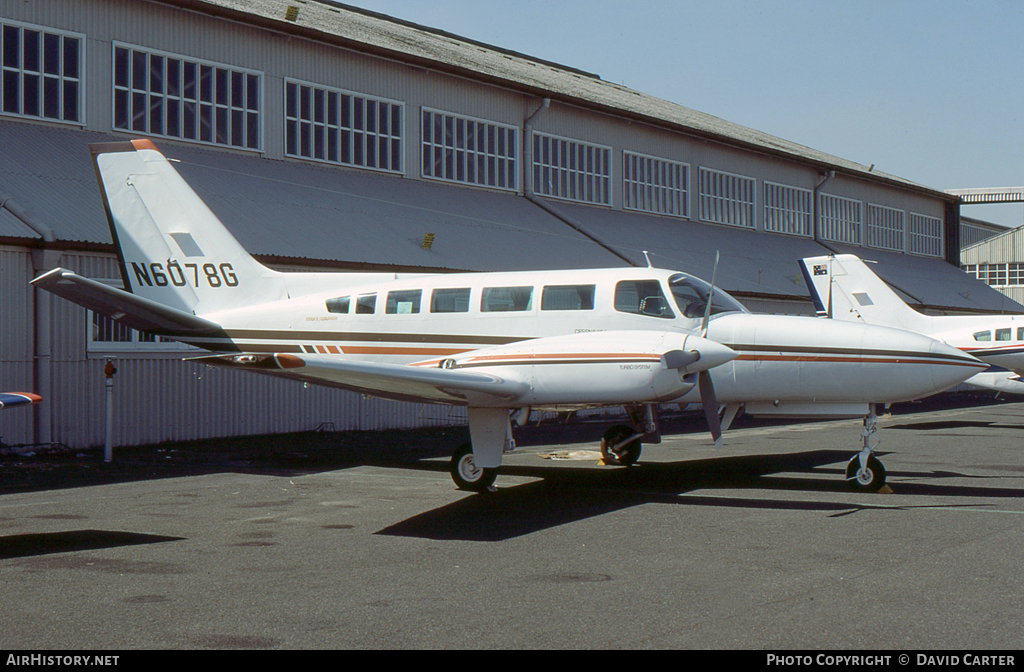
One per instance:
(467,475)
(865,472)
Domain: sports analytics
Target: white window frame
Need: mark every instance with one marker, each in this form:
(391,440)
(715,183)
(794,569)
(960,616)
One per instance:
(727,198)
(787,209)
(324,130)
(133,341)
(653,184)
(841,219)
(224,114)
(571,170)
(44,79)
(924,235)
(446,153)
(886,227)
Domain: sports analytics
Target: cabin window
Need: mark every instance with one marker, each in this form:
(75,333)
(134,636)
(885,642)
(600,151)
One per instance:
(366,304)
(567,297)
(1003,334)
(1020,333)
(450,300)
(339,305)
(983,336)
(403,302)
(506,299)
(642,297)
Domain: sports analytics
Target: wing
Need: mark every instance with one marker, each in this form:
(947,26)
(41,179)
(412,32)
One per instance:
(391,381)
(125,307)
(1000,381)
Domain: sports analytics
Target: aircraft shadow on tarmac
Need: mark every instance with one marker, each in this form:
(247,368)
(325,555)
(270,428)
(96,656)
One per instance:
(567,494)
(26,545)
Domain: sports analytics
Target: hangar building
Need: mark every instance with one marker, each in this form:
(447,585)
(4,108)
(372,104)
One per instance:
(328,137)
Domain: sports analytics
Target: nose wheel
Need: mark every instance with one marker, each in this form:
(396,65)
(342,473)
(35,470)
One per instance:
(865,472)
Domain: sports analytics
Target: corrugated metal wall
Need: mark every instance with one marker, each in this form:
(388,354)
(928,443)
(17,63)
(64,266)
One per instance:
(16,341)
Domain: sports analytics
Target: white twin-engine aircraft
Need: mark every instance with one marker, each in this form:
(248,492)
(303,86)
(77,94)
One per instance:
(500,344)
(844,288)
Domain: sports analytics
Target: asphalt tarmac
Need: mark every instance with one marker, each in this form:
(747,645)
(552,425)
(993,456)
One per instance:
(362,541)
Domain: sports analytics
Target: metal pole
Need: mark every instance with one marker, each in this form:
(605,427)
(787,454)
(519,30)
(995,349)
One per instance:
(108,445)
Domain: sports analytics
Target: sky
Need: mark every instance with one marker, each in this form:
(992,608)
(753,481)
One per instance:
(928,90)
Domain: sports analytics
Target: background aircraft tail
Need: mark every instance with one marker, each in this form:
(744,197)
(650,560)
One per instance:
(844,288)
(173,250)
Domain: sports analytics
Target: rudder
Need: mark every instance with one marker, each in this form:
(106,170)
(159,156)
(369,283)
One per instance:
(172,248)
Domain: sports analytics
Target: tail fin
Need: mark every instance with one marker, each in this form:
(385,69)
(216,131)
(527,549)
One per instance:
(172,248)
(844,288)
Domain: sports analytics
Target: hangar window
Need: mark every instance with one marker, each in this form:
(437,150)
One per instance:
(41,72)
(885,227)
(164,94)
(997,275)
(572,170)
(455,300)
(106,335)
(342,127)
(472,151)
(655,185)
(567,297)
(787,209)
(726,198)
(925,235)
(840,219)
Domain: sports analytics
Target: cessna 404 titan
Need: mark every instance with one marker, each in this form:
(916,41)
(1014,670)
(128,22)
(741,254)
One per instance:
(499,344)
(844,288)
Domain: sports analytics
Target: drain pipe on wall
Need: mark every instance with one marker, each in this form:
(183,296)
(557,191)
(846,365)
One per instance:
(43,259)
(531,195)
(817,210)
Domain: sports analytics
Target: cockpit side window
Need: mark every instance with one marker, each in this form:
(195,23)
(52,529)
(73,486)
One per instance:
(983,335)
(691,297)
(642,297)
(366,304)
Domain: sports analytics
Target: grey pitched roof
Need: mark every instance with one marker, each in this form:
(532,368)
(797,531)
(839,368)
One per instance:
(298,210)
(377,33)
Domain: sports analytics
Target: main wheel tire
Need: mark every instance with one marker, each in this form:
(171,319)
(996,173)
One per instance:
(467,475)
(869,479)
(625,455)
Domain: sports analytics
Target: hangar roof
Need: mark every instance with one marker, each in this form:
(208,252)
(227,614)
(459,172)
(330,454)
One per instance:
(402,40)
(294,211)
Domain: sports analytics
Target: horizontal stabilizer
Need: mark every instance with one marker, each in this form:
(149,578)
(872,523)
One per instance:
(133,311)
(391,381)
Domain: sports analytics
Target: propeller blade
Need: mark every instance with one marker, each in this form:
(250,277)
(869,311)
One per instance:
(710,404)
(711,296)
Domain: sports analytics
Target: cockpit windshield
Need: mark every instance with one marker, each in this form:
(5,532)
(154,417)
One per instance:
(691,296)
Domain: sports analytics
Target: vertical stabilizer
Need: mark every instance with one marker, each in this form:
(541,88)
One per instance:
(844,288)
(172,248)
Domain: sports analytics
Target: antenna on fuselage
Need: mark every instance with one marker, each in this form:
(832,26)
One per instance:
(648,258)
